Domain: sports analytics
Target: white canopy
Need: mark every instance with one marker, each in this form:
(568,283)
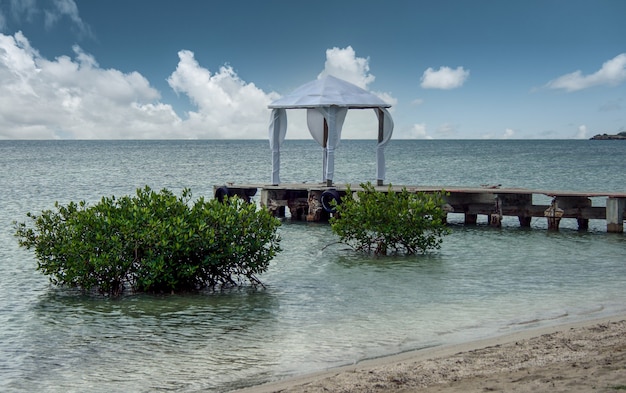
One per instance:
(327,101)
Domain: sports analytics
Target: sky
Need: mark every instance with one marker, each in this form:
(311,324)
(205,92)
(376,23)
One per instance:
(208,69)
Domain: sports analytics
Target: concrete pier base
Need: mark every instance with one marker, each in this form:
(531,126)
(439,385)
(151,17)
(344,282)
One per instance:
(615,214)
(305,202)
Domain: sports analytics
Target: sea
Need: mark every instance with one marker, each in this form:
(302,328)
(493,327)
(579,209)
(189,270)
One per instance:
(322,304)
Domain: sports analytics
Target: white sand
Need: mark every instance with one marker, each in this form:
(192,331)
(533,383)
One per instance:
(581,357)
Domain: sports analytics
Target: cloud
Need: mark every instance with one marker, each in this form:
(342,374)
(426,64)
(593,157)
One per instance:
(24,9)
(508,133)
(346,65)
(343,64)
(612,73)
(74,98)
(227,107)
(66,8)
(582,132)
(445,78)
(55,12)
(418,131)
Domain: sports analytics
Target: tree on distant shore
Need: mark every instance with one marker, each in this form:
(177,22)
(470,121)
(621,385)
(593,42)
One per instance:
(152,242)
(392,222)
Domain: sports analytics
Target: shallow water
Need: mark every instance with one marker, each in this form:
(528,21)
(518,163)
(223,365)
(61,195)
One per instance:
(322,306)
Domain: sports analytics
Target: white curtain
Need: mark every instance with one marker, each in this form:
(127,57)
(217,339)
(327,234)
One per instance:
(277,131)
(335,117)
(315,121)
(380,148)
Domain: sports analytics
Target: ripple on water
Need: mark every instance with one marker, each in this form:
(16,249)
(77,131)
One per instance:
(322,305)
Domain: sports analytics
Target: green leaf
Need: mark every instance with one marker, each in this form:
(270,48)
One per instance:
(153,241)
(390,222)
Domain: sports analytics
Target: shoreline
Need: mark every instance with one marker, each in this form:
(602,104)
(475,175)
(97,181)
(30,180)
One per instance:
(575,356)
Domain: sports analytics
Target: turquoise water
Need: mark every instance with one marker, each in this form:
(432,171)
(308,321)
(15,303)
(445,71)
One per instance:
(323,306)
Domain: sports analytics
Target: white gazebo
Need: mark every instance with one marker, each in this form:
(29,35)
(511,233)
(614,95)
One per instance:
(327,101)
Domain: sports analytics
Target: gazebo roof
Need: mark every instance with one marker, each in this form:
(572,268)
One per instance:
(329,91)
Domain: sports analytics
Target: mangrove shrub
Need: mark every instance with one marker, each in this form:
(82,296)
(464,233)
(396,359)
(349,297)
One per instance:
(152,242)
(390,222)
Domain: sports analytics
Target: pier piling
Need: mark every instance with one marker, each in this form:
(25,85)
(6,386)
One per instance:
(615,215)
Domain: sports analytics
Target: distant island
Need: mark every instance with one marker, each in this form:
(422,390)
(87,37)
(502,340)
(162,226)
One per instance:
(621,135)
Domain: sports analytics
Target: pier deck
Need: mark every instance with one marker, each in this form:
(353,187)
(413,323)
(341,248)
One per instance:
(310,201)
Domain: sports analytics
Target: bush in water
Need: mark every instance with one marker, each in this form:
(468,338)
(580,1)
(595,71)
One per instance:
(152,242)
(391,222)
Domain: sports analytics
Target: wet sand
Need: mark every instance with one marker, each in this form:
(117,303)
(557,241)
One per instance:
(587,356)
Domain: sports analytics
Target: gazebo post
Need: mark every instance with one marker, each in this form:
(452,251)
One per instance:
(381,128)
(329,182)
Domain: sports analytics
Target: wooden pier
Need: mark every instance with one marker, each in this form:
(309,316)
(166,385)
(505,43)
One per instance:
(311,202)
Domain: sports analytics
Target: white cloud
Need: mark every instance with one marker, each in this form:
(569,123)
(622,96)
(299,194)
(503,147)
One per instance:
(445,78)
(612,73)
(417,101)
(346,65)
(343,64)
(418,131)
(227,107)
(74,97)
(508,133)
(582,132)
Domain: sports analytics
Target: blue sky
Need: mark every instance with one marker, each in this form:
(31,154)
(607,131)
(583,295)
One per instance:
(202,69)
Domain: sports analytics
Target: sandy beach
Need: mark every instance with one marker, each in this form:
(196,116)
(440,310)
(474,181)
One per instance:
(580,357)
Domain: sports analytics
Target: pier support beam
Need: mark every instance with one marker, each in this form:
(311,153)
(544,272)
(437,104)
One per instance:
(524,221)
(471,219)
(615,214)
